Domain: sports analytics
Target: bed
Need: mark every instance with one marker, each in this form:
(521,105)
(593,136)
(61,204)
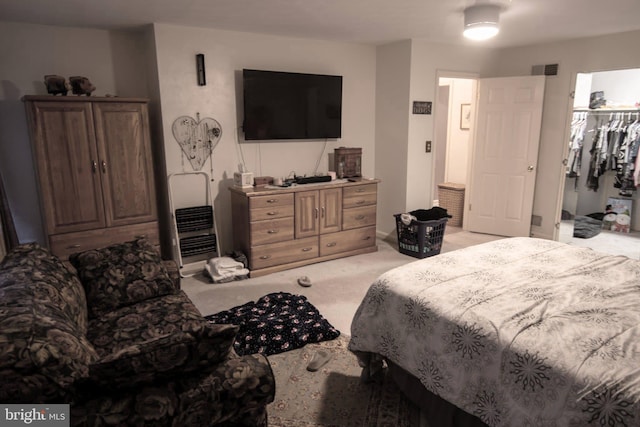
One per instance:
(515,332)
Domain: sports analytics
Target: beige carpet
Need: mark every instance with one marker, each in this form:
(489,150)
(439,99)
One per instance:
(338,285)
(334,396)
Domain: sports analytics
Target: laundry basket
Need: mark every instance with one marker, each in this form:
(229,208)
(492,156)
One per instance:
(422,237)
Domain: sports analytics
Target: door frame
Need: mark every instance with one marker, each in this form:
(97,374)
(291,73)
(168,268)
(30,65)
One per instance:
(448,74)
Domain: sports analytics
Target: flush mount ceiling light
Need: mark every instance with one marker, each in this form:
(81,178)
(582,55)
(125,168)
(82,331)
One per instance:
(481,21)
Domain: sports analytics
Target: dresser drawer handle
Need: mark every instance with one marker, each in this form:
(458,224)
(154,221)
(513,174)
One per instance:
(360,190)
(265,257)
(361,202)
(76,246)
(367,238)
(272,213)
(332,244)
(272,201)
(306,249)
(140,236)
(272,231)
(360,217)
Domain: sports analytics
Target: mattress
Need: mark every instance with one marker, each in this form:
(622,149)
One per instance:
(517,332)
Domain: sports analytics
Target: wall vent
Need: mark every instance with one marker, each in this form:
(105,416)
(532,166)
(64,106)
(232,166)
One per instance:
(544,70)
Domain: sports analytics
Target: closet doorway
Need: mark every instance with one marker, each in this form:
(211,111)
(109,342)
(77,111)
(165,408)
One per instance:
(585,195)
(452,137)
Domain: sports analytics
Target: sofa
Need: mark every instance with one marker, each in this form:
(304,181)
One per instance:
(114,336)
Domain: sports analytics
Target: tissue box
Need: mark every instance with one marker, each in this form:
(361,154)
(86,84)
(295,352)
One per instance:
(243,179)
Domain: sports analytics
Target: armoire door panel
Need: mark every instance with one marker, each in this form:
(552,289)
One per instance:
(125,162)
(66,157)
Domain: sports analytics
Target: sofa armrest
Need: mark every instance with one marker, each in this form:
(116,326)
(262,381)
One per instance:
(173,270)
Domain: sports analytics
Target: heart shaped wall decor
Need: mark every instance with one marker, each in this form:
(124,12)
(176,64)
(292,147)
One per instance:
(197,138)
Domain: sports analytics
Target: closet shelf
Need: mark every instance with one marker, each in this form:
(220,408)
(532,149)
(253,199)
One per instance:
(607,110)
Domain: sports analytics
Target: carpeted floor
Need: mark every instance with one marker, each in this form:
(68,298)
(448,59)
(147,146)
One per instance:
(334,396)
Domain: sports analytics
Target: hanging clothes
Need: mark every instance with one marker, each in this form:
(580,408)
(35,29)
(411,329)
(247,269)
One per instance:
(597,161)
(576,139)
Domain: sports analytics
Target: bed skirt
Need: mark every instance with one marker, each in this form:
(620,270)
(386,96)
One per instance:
(439,412)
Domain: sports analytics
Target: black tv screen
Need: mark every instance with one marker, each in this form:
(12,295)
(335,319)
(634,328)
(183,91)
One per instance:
(280,105)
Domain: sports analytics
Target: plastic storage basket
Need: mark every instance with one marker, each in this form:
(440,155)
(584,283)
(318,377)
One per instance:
(420,238)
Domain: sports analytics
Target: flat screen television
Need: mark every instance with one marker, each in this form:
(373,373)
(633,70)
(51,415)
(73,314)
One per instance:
(280,105)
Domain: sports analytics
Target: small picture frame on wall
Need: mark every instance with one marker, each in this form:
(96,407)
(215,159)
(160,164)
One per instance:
(465,116)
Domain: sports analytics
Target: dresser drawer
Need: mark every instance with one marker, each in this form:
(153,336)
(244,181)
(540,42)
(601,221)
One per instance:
(358,217)
(283,252)
(344,241)
(359,195)
(277,230)
(275,200)
(273,212)
(63,245)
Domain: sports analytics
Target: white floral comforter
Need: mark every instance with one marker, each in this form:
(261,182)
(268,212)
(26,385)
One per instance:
(518,332)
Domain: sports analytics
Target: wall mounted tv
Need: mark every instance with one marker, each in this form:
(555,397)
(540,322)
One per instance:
(280,105)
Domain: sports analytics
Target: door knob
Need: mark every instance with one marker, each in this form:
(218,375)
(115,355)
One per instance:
(530,168)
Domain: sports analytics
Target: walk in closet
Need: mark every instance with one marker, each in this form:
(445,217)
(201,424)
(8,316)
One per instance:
(602,162)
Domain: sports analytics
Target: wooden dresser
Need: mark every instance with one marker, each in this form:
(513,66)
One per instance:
(93,158)
(282,228)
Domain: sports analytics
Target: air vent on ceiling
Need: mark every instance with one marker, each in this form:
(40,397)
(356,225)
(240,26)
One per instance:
(544,70)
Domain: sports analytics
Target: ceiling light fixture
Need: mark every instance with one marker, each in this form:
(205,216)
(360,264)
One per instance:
(481,21)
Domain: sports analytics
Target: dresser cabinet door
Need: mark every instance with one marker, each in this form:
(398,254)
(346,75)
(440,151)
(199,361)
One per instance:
(330,210)
(307,213)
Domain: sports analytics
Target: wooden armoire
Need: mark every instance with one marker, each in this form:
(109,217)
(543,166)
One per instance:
(94,161)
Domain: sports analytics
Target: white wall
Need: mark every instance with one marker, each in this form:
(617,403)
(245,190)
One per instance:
(621,87)
(457,158)
(574,56)
(392,132)
(111,60)
(226,54)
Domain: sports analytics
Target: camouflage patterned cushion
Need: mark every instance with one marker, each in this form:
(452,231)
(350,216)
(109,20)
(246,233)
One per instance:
(121,275)
(156,339)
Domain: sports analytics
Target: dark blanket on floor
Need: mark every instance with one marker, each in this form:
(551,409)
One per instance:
(585,227)
(276,323)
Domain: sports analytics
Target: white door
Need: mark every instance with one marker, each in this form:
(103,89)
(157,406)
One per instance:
(505,153)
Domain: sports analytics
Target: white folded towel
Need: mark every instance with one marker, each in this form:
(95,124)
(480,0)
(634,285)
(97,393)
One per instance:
(225,269)
(223,265)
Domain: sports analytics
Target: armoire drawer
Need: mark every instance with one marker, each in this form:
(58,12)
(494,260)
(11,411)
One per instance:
(277,230)
(358,217)
(283,252)
(350,240)
(63,245)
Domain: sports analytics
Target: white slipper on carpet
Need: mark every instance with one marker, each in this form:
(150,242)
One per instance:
(304,281)
(319,359)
